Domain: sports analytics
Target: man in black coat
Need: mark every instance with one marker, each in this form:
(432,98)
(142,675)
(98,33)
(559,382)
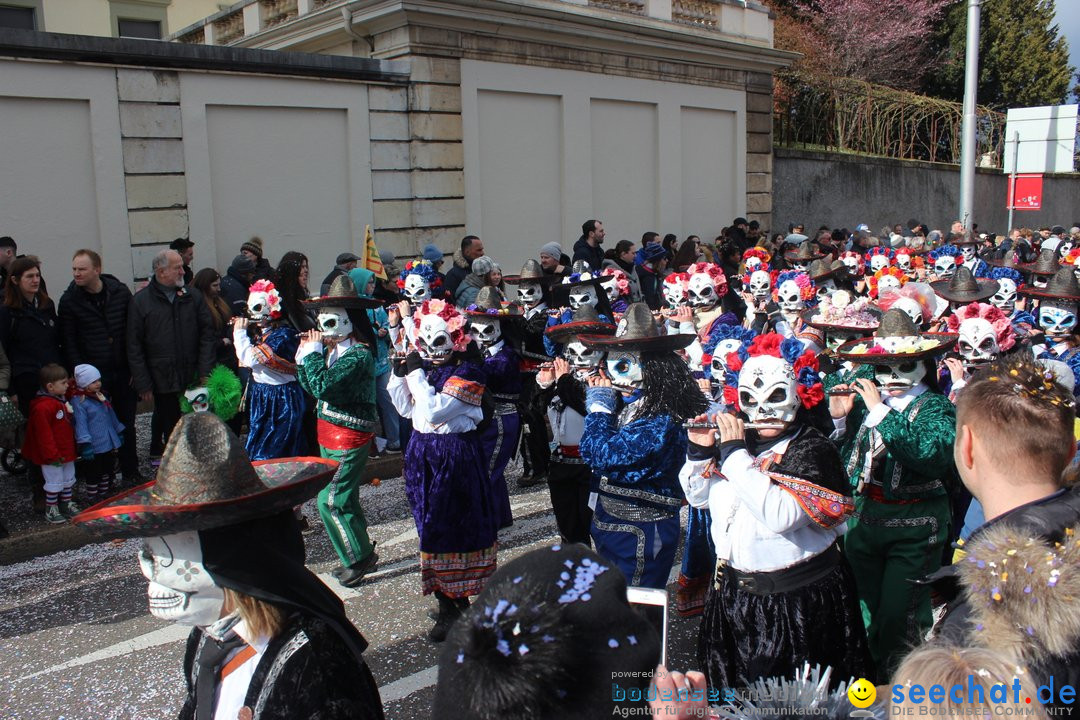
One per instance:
(170,343)
(587,247)
(93,326)
(236,282)
(471,248)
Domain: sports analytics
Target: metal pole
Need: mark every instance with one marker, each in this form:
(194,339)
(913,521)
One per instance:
(1012,180)
(971,86)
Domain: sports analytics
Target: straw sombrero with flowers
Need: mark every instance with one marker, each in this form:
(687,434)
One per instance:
(897,341)
(843,313)
(207,481)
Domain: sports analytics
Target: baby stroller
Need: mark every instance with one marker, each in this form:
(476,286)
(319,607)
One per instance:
(12,432)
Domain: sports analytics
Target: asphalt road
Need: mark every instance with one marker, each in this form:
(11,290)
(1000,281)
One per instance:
(77,641)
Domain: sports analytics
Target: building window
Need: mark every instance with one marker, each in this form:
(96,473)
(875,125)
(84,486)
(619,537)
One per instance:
(149,29)
(17,17)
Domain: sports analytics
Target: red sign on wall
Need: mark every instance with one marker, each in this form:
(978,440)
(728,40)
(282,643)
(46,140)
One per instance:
(1028,193)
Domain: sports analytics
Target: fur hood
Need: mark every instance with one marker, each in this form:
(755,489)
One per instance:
(1022,593)
(461,262)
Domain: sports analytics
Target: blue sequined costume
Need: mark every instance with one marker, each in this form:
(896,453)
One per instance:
(275,399)
(636,520)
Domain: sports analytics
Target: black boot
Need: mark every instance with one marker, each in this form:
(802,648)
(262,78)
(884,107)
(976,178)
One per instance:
(449,611)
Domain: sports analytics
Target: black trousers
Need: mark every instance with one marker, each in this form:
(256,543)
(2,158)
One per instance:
(534,437)
(569,488)
(166,415)
(124,401)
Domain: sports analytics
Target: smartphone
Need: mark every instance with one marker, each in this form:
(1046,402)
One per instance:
(653,604)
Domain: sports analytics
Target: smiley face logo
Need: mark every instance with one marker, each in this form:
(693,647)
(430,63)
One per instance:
(862,693)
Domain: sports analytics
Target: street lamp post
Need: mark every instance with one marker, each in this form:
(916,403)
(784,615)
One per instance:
(968,143)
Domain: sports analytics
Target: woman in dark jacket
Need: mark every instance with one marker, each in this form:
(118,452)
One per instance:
(28,329)
(208,282)
(292,273)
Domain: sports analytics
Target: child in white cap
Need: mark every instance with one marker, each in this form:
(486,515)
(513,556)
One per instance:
(98,433)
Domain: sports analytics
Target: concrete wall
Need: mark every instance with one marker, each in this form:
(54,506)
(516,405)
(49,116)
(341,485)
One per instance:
(98,17)
(817,188)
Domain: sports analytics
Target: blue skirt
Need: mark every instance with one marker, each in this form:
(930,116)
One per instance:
(449,491)
(276,421)
(643,550)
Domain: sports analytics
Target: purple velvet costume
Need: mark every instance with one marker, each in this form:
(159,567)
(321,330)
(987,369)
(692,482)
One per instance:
(500,438)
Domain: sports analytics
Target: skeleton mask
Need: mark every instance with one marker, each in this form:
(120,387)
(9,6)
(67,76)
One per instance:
(789,297)
(912,308)
(674,294)
(1057,318)
(718,365)
(1005,298)
(198,398)
(767,390)
(900,377)
(834,339)
(612,288)
(852,265)
(334,322)
(624,368)
(433,339)
(760,285)
(799,265)
(530,293)
(181,590)
(1063,249)
(752,263)
(485,331)
(903,261)
(701,293)
(416,289)
(888,282)
(944,266)
(968,251)
(877,262)
(259,305)
(978,343)
(583,295)
(580,357)
(825,288)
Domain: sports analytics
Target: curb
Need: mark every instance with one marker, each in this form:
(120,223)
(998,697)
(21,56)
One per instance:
(45,539)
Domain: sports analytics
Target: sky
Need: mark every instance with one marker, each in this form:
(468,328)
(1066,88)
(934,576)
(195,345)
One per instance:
(1068,20)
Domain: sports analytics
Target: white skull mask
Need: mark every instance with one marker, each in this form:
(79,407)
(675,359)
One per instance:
(1063,248)
(944,266)
(1005,298)
(718,365)
(903,261)
(760,284)
(485,331)
(181,590)
(581,357)
(789,297)
(530,293)
(978,343)
(877,262)
(968,251)
(799,265)
(624,368)
(1057,318)
(198,398)
(675,295)
(701,293)
(835,339)
(912,308)
(612,289)
(583,295)
(767,390)
(888,282)
(900,377)
(752,263)
(852,265)
(825,288)
(416,289)
(334,322)
(258,305)
(433,340)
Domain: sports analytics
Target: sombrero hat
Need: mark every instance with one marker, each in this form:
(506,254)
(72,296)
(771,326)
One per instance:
(897,341)
(490,304)
(1045,265)
(1063,286)
(532,271)
(1009,261)
(585,321)
(804,254)
(822,269)
(963,287)
(637,330)
(342,294)
(206,481)
(856,316)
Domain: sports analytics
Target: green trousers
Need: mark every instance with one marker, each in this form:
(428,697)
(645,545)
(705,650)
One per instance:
(888,547)
(339,506)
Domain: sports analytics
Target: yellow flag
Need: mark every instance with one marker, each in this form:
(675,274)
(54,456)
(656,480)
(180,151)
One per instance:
(372,261)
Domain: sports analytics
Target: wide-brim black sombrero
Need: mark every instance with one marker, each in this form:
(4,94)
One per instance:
(1062,286)
(342,294)
(963,287)
(637,330)
(578,328)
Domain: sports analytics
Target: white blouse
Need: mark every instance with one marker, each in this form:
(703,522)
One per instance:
(431,411)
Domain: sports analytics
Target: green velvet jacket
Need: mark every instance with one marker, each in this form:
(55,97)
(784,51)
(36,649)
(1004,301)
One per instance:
(344,393)
(919,448)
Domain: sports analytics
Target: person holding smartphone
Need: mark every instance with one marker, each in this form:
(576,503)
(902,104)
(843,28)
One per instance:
(783,593)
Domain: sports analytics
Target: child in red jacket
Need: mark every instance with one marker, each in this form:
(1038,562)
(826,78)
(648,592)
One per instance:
(50,442)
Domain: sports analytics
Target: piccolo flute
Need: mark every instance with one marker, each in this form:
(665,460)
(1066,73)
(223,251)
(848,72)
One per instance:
(748,426)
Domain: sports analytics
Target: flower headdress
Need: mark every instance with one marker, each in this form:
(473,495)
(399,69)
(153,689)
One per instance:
(715,273)
(1003,329)
(678,278)
(919,292)
(880,250)
(724,332)
(455,321)
(848,254)
(804,363)
(758,252)
(273,297)
(946,250)
(892,270)
(424,269)
(807,291)
(773,275)
(1071,257)
(997,273)
(622,280)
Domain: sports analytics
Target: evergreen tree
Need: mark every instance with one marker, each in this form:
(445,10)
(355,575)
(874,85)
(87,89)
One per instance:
(1023,60)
